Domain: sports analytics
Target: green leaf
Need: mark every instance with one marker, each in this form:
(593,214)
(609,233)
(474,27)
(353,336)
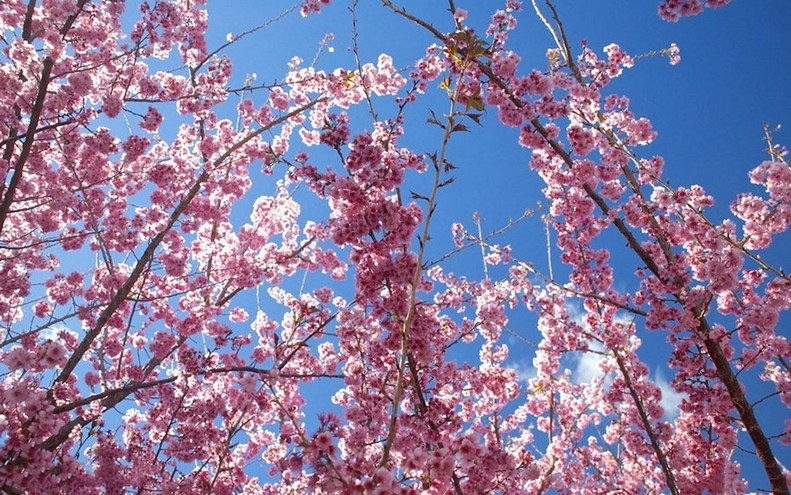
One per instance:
(445,84)
(475,102)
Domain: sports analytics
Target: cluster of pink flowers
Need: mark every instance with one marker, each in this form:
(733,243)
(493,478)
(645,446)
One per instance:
(673,10)
(312,6)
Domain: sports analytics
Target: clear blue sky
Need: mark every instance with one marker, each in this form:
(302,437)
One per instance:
(709,110)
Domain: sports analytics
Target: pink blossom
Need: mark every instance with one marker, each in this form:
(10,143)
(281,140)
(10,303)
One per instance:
(112,105)
(460,15)
(152,120)
(674,54)
(673,10)
(238,315)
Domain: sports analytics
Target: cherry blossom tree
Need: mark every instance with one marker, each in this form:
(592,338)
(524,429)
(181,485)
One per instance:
(159,331)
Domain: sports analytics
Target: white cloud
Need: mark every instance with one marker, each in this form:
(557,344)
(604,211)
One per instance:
(51,332)
(587,368)
(670,397)
(524,371)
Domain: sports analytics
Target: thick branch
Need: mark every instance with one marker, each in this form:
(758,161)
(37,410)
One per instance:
(763,449)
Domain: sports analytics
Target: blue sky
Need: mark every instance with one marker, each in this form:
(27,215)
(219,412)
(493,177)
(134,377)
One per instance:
(709,110)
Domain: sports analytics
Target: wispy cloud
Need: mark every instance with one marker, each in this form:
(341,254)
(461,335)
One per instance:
(587,367)
(524,371)
(51,332)
(670,397)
